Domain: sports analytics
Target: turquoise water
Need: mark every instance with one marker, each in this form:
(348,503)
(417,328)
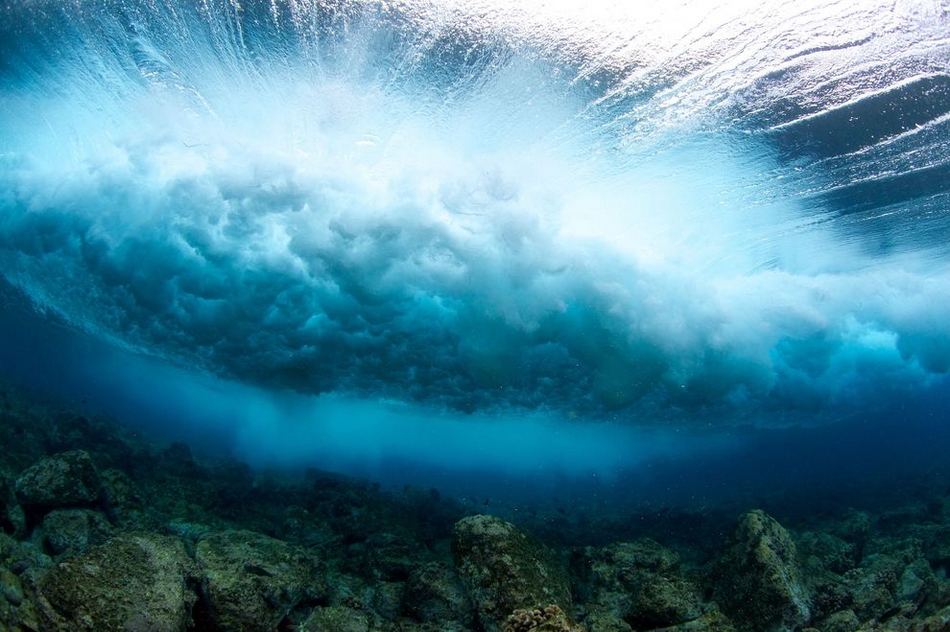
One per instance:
(687,255)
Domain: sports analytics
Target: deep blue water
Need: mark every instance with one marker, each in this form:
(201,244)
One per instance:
(688,256)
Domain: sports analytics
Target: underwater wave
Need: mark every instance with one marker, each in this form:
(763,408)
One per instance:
(716,211)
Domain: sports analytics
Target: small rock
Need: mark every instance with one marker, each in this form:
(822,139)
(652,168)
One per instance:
(604,619)
(871,587)
(640,582)
(72,531)
(252,581)
(67,479)
(917,582)
(714,621)
(123,500)
(842,621)
(337,619)
(387,599)
(435,594)
(17,611)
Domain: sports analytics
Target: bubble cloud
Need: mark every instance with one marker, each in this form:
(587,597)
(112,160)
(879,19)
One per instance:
(376,205)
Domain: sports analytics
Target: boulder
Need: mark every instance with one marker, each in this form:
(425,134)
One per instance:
(758,581)
(504,569)
(250,581)
(435,595)
(548,619)
(68,479)
(124,503)
(640,582)
(713,621)
(17,611)
(337,619)
(71,531)
(133,582)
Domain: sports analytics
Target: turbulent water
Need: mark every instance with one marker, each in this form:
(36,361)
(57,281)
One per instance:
(486,236)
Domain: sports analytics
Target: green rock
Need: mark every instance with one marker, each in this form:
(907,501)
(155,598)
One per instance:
(17,611)
(758,581)
(604,619)
(72,531)
(434,594)
(714,621)
(503,569)
(123,500)
(842,621)
(872,586)
(133,582)
(336,619)
(548,619)
(387,599)
(640,583)
(64,480)
(251,581)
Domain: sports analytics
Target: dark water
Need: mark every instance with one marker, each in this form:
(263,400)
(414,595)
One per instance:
(538,255)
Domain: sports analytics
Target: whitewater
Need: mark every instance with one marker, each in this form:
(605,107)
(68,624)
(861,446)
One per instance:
(482,236)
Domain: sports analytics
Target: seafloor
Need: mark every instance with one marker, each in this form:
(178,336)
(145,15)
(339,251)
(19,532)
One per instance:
(104,529)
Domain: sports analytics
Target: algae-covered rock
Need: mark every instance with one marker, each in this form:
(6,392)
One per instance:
(434,594)
(841,621)
(871,587)
(504,569)
(337,619)
(123,500)
(67,479)
(387,599)
(251,581)
(604,619)
(133,582)
(72,531)
(548,619)
(641,583)
(757,582)
(714,621)
(17,611)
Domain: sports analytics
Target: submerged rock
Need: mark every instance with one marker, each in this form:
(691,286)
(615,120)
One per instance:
(504,569)
(133,582)
(67,479)
(757,581)
(435,595)
(12,516)
(711,622)
(640,583)
(123,500)
(252,581)
(547,619)
(337,619)
(17,611)
(71,531)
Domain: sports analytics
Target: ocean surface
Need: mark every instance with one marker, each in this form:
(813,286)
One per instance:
(590,254)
